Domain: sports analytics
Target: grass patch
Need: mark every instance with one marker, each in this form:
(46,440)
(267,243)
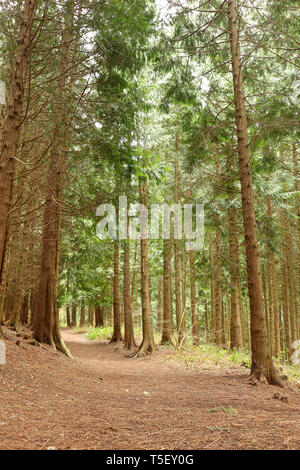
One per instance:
(229,409)
(99,332)
(209,355)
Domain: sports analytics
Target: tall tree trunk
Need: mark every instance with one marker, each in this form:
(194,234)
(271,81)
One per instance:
(117,335)
(159,322)
(167,319)
(13,121)
(284,293)
(291,290)
(129,341)
(218,292)
(25,309)
(206,320)
(212,292)
(74,314)
(91,314)
(68,316)
(15,316)
(194,317)
(11,278)
(297,188)
(228,317)
(147,345)
(4,272)
(134,287)
(235,325)
(180,316)
(82,314)
(69,323)
(242,317)
(265,296)
(183,282)
(262,366)
(46,327)
(99,316)
(270,317)
(275,302)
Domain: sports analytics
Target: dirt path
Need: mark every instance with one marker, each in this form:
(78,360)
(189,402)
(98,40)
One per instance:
(103,400)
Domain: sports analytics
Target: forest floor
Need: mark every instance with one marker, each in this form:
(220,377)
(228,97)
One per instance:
(104,400)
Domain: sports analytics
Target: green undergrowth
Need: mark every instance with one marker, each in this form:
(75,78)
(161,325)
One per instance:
(204,355)
(208,355)
(104,333)
(99,333)
(211,356)
(292,371)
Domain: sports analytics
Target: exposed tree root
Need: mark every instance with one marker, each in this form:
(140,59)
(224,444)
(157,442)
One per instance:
(129,345)
(116,338)
(44,338)
(60,346)
(270,377)
(55,340)
(145,348)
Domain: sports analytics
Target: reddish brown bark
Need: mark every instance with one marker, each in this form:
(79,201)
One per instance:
(262,365)
(46,328)
(13,122)
(147,345)
(167,310)
(129,341)
(194,317)
(117,335)
(99,316)
(235,325)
